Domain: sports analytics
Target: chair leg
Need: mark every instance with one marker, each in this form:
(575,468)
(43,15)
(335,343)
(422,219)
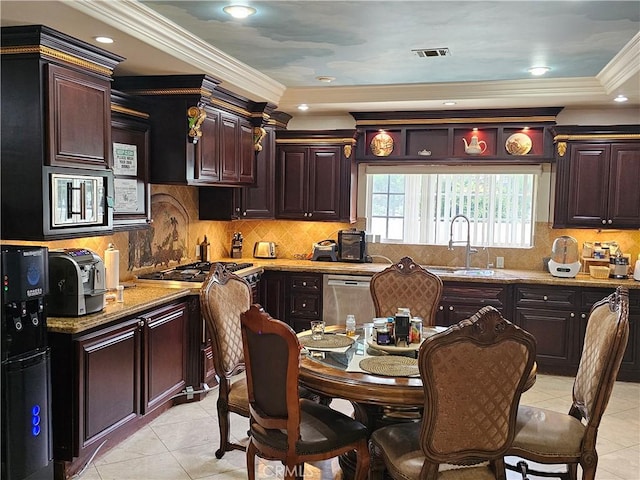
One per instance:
(588,470)
(362,463)
(572,471)
(251,460)
(223,422)
(376,463)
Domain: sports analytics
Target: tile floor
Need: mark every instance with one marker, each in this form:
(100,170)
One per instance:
(180,444)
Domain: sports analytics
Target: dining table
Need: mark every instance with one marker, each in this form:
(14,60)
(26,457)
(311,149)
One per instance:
(333,368)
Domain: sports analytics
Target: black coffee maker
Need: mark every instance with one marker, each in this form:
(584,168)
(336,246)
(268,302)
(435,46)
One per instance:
(26,384)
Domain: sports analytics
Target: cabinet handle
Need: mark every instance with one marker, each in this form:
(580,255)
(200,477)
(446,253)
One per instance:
(304,284)
(572,314)
(441,308)
(244,214)
(584,315)
(305,214)
(609,221)
(141,323)
(545,298)
(604,221)
(451,308)
(311,214)
(304,305)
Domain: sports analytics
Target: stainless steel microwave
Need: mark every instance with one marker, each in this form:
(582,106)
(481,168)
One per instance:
(80,200)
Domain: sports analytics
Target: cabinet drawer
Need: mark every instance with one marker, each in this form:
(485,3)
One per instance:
(307,306)
(546,297)
(464,294)
(306,283)
(592,295)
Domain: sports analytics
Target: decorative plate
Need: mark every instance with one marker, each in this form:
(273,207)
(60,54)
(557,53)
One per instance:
(518,144)
(381,145)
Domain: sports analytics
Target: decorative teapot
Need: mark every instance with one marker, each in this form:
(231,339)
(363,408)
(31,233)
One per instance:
(475,147)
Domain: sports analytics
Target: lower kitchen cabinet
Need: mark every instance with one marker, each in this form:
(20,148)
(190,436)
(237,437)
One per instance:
(462,300)
(107,382)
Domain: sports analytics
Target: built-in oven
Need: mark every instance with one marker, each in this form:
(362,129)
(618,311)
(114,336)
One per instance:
(344,295)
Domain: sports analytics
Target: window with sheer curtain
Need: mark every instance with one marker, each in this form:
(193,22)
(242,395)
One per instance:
(418,208)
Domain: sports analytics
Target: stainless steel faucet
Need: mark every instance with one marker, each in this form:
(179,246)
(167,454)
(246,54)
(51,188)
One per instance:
(468,248)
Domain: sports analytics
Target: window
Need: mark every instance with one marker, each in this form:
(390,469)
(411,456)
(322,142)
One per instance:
(418,208)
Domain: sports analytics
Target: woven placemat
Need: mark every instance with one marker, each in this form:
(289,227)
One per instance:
(390,366)
(329,341)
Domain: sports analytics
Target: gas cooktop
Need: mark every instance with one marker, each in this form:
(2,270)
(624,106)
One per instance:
(192,272)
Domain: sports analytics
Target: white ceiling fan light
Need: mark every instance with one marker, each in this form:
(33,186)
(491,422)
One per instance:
(103,39)
(538,71)
(239,11)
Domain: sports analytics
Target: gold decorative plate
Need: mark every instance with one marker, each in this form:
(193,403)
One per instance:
(381,145)
(518,144)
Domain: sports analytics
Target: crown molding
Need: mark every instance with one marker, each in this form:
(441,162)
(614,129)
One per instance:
(622,67)
(146,25)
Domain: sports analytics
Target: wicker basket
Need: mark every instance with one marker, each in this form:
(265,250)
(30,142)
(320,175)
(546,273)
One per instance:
(598,271)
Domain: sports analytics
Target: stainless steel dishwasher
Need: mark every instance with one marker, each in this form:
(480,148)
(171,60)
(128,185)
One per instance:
(344,295)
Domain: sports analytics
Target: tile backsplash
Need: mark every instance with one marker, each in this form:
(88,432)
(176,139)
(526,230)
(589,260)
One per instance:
(176,231)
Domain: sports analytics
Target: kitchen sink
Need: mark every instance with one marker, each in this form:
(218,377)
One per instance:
(461,272)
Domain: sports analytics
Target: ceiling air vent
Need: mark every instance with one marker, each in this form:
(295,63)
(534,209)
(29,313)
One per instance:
(432,52)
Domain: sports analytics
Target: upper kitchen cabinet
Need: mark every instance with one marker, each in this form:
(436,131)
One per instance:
(514,136)
(256,201)
(130,135)
(56,135)
(201,135)
(316,175)
(598,172)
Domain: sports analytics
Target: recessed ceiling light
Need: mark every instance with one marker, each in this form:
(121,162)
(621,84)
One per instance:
(303,107)
(620,99)
(325,79)
(104,39)
(239,11)
(537,71)
(449,103)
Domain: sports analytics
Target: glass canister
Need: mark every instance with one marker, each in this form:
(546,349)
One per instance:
(381,332)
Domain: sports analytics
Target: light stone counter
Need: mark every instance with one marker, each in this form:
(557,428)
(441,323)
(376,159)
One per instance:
(136,300)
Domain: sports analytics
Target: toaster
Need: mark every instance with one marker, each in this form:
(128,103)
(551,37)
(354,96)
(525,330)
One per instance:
(264,250)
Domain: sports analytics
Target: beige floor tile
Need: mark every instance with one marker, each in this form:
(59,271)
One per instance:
(188,434)
(152,467)
(143,443)
(200,461)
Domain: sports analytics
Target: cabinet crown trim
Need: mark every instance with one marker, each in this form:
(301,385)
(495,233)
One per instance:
(461,120)
(315,141)
(597,136)
(129,111)
(57,55)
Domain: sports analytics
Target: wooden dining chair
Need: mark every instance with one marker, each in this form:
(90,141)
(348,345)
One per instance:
(223,297)
(406,284)
(549,437)
(283,426)
(473,375)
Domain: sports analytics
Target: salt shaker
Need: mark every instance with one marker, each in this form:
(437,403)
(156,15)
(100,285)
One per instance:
(351,325)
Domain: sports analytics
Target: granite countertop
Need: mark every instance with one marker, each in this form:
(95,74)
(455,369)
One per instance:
(446,273)
(136,300)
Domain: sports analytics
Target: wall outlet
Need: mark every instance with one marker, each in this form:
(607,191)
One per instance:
(499,262)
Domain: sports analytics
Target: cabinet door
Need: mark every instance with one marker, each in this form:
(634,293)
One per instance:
(624,194)
(272,294)
(79,118)
(109,389)
(246,153)
(324,183)
(554,333)
(132,207)
(207,155)
(258,201)
(165,358)
(292,183)
(588,176)
(229,162)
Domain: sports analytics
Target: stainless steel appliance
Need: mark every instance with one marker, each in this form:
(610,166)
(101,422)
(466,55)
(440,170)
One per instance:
(564,257)
(192,275)
(344,295)
(352,246)
(325,250)
(26,385)
(619,266)
(264,250)
(79,199)
(77,281)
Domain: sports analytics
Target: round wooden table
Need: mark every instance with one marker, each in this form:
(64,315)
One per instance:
(377,400)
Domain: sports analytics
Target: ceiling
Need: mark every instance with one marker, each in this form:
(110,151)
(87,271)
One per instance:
(276,55)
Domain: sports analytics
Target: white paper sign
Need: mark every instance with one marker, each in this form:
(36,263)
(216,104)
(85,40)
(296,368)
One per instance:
(125,159)
(126,195)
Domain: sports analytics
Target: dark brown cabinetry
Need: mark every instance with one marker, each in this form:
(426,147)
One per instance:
(460,301)
(514,136)
(597,178)
(56,117)
(107,382)
(130,132)
(202,135)
(557,318)
(315,176)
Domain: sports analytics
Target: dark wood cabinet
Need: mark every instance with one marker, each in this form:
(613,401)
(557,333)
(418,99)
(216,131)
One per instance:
(130,134)
(316,178)
(272,294)
(107,382)
(597,178)
(462,300)
(202,135)
(56,117)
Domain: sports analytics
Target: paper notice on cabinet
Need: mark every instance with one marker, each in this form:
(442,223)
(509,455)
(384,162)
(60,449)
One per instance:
(126,195)
(125,159)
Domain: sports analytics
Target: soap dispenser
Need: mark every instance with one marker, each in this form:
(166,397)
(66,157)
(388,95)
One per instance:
(636,271)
